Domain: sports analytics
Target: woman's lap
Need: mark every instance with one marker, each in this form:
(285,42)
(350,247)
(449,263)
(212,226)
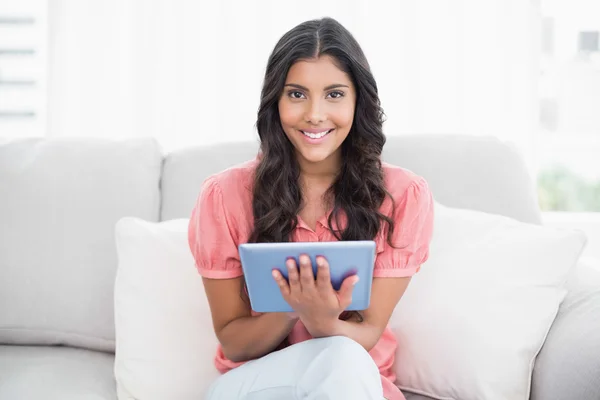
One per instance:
(319,369)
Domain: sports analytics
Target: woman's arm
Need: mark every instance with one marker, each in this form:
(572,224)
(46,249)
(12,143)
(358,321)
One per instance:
(242,336)
(385,294)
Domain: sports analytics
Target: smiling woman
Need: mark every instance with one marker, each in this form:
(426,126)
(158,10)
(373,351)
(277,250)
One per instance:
(317,178)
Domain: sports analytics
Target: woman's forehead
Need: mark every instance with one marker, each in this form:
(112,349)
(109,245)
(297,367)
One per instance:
(317,74)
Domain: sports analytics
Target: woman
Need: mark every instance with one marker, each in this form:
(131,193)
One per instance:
(318,177)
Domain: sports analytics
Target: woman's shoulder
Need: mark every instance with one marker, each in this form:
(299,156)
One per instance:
(235,181)
(230,191)
(398,179)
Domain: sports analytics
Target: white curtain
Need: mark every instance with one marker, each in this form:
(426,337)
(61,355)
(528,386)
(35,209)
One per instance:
(190,72)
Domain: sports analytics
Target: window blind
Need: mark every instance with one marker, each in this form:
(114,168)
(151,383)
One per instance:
(23,68)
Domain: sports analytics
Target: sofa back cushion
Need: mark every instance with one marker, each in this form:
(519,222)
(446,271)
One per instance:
(59,202)
(473,172)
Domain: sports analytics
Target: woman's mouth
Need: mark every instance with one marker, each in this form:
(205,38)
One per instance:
(316,137)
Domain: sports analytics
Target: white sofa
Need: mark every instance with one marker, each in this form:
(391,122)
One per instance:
(60,200)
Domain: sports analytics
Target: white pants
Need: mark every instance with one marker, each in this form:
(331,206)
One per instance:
(329,368)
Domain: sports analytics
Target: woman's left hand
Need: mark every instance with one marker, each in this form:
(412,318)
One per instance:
(315,301)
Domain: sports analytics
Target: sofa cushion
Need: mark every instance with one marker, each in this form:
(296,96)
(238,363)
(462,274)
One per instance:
(472,321)
(55,373)
(568,367)
(414,396)
(60,200)
(474,172)
(165,339)
(480,173)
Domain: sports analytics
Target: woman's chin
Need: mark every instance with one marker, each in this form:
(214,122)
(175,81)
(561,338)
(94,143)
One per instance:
(315,155)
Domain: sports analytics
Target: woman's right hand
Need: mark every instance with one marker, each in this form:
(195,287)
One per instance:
(314,300)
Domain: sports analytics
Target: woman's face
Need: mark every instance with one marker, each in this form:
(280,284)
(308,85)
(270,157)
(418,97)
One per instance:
(317,109)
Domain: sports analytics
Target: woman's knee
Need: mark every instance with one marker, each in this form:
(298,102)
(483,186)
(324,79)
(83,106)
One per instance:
(338,359)
(346,345)
(351,354)
(344,342)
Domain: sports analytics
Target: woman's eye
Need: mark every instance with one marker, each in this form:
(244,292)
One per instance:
(337,94)
(292,93)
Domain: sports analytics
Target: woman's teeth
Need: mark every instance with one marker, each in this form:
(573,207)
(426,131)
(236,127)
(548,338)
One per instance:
(316,135)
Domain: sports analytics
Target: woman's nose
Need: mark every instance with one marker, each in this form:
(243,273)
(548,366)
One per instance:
(315,113)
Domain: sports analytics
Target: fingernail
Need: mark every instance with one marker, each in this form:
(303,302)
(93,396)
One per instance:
(319,261)
(274,273)
(355,281)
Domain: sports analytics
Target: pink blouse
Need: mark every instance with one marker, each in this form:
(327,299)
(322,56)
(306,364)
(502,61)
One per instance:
(222,219)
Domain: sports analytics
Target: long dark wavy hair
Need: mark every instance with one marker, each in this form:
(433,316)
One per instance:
(359,188)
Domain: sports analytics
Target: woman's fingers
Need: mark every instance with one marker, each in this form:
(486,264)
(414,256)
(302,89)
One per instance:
(307,294)
(323,275)
(293,276)
(307,278)
(283,285)
(345,292)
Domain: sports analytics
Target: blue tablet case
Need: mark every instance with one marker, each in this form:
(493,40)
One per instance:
(345,258)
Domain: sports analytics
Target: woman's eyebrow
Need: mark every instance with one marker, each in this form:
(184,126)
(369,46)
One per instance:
(335,85)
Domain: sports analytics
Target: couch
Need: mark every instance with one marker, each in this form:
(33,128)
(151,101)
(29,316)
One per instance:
(61,198)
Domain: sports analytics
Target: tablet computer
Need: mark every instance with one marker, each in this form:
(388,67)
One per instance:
(345,258)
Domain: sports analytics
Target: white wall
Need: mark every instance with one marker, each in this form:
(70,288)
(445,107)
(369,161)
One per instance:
(191,72)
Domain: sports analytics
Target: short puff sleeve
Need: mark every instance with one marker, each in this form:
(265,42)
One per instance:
(413,230)
(212,240)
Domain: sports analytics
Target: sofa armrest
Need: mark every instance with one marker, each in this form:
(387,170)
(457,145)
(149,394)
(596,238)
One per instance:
(568,366)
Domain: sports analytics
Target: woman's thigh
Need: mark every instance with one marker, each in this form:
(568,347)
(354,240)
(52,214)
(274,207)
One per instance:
(319,369)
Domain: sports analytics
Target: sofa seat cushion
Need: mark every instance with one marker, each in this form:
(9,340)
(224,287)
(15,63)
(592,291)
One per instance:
(568,367)
(414,396)
(56,373)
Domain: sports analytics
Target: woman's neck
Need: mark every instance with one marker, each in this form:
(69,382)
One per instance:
(321,173)
(318,180)
(315,184)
